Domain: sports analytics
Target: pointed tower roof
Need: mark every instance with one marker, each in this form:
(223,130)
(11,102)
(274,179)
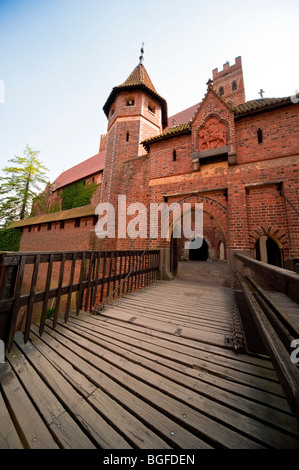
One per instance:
(139,79)
(139,76)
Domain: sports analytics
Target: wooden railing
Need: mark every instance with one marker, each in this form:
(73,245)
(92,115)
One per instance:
(34,286)
(275,327)
(281,279)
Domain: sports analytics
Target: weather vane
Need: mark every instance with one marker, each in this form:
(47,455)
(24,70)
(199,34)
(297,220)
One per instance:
(142,52)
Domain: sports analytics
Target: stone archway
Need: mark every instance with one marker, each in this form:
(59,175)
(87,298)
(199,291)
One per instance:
(214,233)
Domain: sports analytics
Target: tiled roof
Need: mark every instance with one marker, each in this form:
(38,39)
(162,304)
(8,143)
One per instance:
(138,80)
(83,211)
(139,76)
(171,132)
(183,119)
(260,104)
(82,170)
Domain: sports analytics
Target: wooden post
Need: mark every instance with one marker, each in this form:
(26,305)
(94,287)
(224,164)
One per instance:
(8,275)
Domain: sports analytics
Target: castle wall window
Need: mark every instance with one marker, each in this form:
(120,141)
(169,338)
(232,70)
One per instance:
(130,101)
(49,226)
(174,155)
(61,224)
(127,136)
(151,107)
(234,86)
(260,136)
(77,222)
(221,91)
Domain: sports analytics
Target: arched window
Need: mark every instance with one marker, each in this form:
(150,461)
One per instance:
(221,91)
(234,85)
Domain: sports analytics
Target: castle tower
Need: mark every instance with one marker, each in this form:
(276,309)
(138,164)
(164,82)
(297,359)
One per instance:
(230,83)
(135,112)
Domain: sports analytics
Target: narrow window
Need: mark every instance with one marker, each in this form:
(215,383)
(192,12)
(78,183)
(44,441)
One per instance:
(234,85)
(127,137)
(221,91)
(62,224)
(260,136)
(94,220)
(77,222)
(49,225)
(151,107)
(29,228)
(38,228)
(174,155)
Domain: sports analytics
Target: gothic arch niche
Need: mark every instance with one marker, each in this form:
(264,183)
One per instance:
(268,250)
(277,250)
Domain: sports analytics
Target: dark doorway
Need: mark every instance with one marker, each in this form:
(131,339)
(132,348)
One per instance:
(267,250)
(199,254)
(273,252)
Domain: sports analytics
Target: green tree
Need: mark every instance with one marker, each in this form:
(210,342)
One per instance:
(20,185)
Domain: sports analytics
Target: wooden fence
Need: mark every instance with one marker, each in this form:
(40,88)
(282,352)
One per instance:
(36,285)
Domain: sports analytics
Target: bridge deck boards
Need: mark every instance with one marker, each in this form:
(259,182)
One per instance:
(151,371)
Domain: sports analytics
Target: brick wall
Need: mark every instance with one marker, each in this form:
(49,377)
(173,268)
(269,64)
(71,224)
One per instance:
(58,238)
(280,130)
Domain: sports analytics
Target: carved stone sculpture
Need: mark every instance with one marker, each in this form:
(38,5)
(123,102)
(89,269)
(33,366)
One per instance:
(212,135)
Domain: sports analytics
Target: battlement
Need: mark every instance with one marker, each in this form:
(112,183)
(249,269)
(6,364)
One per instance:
(227,69)
(229,82)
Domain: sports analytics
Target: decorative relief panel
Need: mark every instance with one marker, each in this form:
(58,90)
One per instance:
(212,135)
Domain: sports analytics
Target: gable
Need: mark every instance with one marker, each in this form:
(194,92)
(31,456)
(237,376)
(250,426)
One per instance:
(213,129)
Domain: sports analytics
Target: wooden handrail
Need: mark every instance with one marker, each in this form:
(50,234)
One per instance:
(92,275)
(287,372)
(281,279)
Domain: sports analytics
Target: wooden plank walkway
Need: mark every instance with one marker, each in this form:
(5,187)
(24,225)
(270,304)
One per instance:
(151,372)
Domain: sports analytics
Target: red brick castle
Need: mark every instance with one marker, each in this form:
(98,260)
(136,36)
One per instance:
(239,159)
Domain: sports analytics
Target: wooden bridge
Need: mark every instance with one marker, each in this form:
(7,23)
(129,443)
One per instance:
(155,368)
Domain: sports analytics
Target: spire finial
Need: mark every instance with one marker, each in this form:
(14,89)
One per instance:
(142,52)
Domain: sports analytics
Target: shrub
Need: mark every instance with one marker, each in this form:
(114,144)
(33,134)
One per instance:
(10,239)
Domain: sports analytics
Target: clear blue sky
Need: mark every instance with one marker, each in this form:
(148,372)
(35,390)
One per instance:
(59,60)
